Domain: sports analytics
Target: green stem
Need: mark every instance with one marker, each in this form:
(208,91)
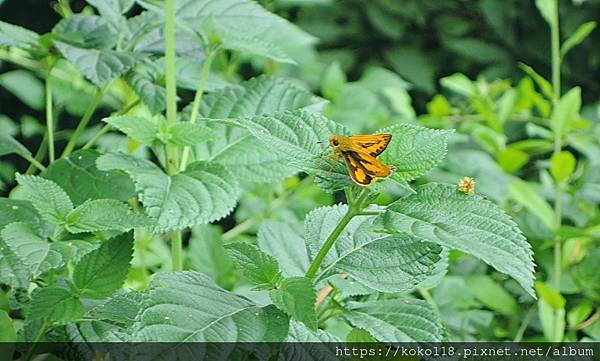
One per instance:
(353,210)
(555,40)
(39,155)
(176,251)
(37,339)
(198,101)
(49,116)
(524,324)
(84,122)
(171,85)
(34,162)
(107,127)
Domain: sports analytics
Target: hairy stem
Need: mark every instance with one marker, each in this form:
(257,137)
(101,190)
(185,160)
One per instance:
(49,116)
(84,122)
(198,101)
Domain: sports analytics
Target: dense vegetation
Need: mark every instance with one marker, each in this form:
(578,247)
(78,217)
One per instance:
(166,173)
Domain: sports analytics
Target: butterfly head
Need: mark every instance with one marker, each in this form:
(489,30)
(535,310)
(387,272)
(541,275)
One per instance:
(334,141)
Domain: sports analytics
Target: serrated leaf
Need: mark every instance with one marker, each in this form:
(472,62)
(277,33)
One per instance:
(151,94)
(257,266)
(203,193)
(51,201)
(348,287)
(300,333)
(250,45)
(55,305)
(284,242)
(441,214)
(99,66)
(188,134)
(414,150)
(13,271)
(188,307)
(235,148)
(78,176)
(396,320)
(524,194)
(296,296)
(86,31)
(13,35)
(120,309)
(396,263)
(31,248)
(103,270)
(112,9)
(103,215)
(9,145)
(142,129)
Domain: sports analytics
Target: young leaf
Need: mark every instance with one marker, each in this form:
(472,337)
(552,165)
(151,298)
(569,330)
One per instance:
(203,193)
(440,214)
(56,305)
(99,66)
(566,112)
(103,215)
(142,129)
(9,145)
(86,31)
(578,37)
(544,84)
(284,242)
(396,263)
(33,250)
(103,270)
(396,320)
(562,165)
(78,176)
(257,266)
(13,35)
(492,295)
(51,201)
(188,306)
(524,194)
(414,150)
(186,133)
(150,131)
(296,296)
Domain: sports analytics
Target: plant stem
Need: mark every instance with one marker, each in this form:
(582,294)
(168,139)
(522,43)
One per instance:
(176,251)
(34,162)
(49,116)
(37,339)
(198,101)
(39,155)
(107,127)
(84,121)
(555,40)
(353,210)
(524,324)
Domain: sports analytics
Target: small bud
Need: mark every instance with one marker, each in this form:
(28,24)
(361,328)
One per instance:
(467,185)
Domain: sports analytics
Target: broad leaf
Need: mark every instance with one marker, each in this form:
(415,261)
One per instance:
(151,94)
(13,271)
(13,35)
(78,176)
(235,148)
(296,296)
(86,31)
(99,66)
(103,215)
(151,131)
(284,242)
(202,194)
(9,145)
(188,134)
(56,305)
(121,309)
(396,263)
(396,320)
(51,201)
(441,214)
(103,270)
(12,210)
(305,344)
(142,129)
(188,306)
(257,266)
(207,255)
(112,9)
(31,248)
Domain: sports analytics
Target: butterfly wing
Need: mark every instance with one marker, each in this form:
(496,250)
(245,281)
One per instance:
(363,168)
(373,144)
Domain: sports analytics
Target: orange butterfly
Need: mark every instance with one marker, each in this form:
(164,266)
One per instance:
(360,153)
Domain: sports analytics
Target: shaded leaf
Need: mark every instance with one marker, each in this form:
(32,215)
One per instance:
(296,296)
(13,35)
(9,145)
(86,31)
(51,201)
(257,266)
(284,242)
(55,305)
(103,215)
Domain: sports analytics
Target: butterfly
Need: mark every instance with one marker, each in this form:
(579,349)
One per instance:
(360,153)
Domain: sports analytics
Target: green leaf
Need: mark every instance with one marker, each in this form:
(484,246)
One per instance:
(577,37)
(396,320)
(31,248)
(317,338)
(56,305)
(7,332)
(186,133)
(188,307)
(78,176)
(414,150)
(296,296)
(511,160)
(459,84)
(207,255)
(258,267)
(112,9)
(562,166)
(99,66)
(12,210)
(524,194)
(284,241)
(103,215)
(150,131)
(13,35)
(492,295)
(9,145)
(235,148)
(120,309)
(103,270)
(50,200)
(142,129)
(86,31)
(441,214)
(205,192)
(388,263)
(13,271)
(151,94)
(544,84)
(359,335)
(553,321)
(413,65)
(333,81)
(552,297)
(25,86)
(547,9)
(567,111)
